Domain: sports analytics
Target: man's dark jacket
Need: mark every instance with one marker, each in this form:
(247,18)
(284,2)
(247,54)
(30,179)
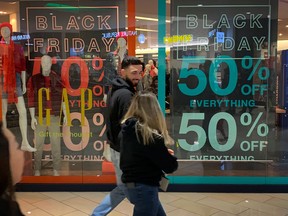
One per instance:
(118,101)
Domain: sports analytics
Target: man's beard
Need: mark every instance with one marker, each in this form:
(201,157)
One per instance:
(129,81)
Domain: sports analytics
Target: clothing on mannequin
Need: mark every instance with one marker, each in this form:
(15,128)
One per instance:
(45,114)
(13,78)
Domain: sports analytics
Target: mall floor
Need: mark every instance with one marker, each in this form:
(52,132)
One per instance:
(175,204)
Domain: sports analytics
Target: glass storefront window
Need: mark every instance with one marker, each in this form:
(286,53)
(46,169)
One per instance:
(222,76)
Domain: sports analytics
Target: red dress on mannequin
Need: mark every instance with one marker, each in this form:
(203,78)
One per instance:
(9,74)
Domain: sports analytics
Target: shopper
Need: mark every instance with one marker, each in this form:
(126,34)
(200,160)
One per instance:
(147,79)
(144,158)
(118,101)
(11,167)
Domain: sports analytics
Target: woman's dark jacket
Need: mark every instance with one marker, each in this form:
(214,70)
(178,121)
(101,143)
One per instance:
(143,163)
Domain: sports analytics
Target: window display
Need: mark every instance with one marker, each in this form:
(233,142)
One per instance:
(225,71)
(14,80)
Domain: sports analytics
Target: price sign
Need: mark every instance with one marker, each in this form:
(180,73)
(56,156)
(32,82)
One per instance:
(221,92)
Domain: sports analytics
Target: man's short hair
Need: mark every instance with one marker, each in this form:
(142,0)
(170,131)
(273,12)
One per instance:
(131,60)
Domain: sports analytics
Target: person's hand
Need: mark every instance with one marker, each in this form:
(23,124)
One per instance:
(33,123)
(24,89)
(105,98)
(171,151)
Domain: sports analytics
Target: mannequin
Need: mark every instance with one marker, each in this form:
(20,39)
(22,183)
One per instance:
(51,100)
(113,62)
(14,75)
(122,48)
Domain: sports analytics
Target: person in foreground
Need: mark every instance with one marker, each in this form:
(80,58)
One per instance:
(118,101)
(11,169)
(144,157)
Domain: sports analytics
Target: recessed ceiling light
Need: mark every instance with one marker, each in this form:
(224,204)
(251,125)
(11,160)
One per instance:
(280,20)
(280,34)
(286,26)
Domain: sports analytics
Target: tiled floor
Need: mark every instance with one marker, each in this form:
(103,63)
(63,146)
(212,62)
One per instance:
(175,204)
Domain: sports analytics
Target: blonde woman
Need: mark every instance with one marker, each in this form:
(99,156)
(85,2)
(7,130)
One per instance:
(144,157)
(147,79)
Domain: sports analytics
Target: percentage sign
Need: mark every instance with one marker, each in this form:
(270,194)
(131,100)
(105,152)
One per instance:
(97,64)
(263,72)
(98,120)
(246,120)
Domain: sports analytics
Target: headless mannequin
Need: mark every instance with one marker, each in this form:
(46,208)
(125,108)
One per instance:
(20,104)
(122,49)
(53,128)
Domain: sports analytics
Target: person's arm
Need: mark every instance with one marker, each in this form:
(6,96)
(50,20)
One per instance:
(23,80)
(161,156)
(31,101)
(125,98)
(33,118)
(21,65)
(64,113)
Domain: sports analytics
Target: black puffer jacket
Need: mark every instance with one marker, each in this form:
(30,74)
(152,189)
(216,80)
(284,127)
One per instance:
(118,102)
(143,163)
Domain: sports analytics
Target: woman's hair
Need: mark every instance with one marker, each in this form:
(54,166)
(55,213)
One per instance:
(147,68)
(6,184)
(151,122)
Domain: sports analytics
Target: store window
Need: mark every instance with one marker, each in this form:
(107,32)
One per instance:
(220,74)
(226,85)
(70,51)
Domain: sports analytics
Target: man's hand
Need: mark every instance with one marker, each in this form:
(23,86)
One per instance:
(33,123)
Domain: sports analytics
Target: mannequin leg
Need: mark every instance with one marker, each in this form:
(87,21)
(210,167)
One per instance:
(23,125)
(4,112)
(55,140)
(40,134)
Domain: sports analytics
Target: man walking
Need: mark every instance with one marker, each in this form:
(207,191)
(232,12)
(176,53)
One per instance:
(118,101)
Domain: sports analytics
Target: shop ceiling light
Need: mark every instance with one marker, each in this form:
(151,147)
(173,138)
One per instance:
(147,18)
